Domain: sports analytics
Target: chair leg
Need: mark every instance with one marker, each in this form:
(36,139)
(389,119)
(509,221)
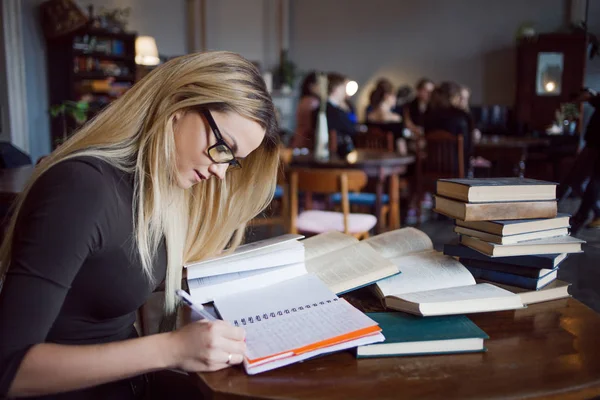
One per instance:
(382,218)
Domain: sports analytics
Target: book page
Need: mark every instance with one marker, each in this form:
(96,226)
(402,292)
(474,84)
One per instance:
(463,293)
(425,271)
(324,243)
(400,242)
(350,267)
(198,283)
(260,247)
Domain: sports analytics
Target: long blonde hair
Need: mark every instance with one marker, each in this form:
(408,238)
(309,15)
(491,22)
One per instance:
(135,134)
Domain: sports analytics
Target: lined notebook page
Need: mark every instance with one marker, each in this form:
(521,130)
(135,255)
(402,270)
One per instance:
(295,316)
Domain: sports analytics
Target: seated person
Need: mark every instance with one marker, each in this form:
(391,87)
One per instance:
(381,83)
(414,111)
(465,95)
(382,102)
(337,111)
(309,102)
(445,113)
(403,96)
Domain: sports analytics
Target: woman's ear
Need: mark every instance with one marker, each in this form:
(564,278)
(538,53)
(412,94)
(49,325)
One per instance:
(177,116)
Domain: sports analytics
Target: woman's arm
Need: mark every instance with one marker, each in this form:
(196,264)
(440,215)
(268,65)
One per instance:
(60,225)
(52,368)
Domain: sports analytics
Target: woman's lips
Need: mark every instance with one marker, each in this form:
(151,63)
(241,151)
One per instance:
(199,176)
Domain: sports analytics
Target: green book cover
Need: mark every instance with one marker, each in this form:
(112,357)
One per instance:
(399,328)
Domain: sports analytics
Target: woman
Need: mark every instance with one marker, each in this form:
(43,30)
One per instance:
(305,122)
(382,103)
(337,111)
(136,193)
(414,111)
(381,83)
(445,113)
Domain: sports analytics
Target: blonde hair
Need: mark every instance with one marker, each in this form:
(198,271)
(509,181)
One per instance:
(135,134)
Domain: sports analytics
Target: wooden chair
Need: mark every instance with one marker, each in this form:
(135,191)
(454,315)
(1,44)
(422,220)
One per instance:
(333,142)
(328,181)
(444,159)
(375,139)
(278,212)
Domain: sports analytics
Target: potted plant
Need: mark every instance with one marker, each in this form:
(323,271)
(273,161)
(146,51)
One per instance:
(76,110)
(286,73)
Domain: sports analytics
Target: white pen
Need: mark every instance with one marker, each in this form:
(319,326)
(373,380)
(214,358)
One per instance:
(196,307)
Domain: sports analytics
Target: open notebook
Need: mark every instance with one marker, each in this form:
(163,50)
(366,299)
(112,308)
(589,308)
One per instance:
(295,320)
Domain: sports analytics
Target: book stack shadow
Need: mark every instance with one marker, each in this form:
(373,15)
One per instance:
(510,232)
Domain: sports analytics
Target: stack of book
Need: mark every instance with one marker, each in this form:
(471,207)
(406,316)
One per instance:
(510,231)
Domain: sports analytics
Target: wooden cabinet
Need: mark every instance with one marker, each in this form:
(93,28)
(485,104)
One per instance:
(550,69)
(92,65)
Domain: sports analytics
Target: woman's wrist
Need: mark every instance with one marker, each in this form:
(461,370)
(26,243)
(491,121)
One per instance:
(169,350)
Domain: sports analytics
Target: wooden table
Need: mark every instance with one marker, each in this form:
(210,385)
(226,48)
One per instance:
(13,181)
(512,151)
(548,350)
(378,165)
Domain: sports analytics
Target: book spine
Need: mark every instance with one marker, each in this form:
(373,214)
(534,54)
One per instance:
(253,319)
(504,278)
(513,210)
(502,267)
(523,261)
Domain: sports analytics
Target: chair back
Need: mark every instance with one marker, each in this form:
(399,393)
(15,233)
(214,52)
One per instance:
(375,139)
(324,181)
(333,141)
(445,155)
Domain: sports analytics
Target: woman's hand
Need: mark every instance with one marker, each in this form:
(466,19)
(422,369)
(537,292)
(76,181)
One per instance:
(206,346)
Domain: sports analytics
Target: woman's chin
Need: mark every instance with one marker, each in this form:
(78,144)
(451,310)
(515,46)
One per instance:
(184,183)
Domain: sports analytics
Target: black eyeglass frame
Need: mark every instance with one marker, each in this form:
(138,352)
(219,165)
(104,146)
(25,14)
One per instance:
(233,163)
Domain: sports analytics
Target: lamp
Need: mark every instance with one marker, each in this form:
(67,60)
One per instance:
(351,88)
(146,52)
(550,86)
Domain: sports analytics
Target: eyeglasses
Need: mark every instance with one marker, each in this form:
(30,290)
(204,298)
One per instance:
(220,152)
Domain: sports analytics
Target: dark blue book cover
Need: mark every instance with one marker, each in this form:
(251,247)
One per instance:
(527,272)
(548,261)
(512,279)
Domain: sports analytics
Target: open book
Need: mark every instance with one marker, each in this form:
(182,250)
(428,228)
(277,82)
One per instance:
(343,263)
(434,284)
(295,320)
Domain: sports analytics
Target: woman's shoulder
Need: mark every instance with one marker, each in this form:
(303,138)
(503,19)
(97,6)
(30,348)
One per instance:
(88,168)
(80,174)
(309,102)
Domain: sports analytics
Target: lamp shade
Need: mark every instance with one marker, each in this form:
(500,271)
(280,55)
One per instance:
(146,52)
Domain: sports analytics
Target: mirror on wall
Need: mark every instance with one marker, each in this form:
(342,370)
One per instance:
(549,74)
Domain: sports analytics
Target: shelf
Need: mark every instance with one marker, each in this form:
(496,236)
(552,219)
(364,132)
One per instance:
(103,56)
(100,75)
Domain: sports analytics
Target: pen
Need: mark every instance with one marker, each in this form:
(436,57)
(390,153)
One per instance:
(196,307)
